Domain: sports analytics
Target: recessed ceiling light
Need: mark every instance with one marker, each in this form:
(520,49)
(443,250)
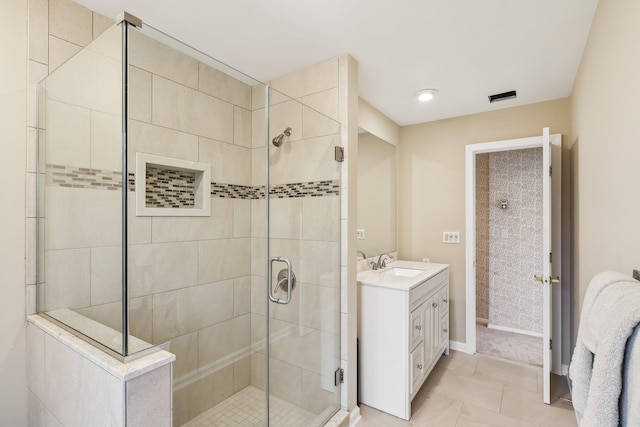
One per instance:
(426,95)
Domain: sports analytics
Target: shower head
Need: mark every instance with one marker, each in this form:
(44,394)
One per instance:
(277,141)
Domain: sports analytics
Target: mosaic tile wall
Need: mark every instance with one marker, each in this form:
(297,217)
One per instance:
(171,188)
(515,300)
(482,236)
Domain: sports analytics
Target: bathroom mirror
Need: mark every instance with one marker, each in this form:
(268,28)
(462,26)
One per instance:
(376,195)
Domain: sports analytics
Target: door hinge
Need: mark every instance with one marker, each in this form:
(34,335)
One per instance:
(550,170)
(339,154)
(550,344)
(550,254)
(338,377)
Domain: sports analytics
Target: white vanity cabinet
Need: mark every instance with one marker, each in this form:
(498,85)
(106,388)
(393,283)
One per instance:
(403,330)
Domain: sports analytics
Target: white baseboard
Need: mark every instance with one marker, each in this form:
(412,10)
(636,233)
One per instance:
(517,331)
(482,321)
(458,346)
(354,416)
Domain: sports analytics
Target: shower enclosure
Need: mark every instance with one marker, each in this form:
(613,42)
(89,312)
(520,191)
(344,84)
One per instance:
(169,216)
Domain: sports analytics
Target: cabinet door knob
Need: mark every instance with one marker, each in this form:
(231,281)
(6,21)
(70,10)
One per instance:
(435,305)
(419,366)
(445,330)
(446,300)
(419,327)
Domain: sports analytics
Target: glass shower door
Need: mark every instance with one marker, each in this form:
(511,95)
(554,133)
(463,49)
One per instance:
(303,263)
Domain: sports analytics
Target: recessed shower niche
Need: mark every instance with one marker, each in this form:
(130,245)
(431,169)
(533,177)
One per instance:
(171,187)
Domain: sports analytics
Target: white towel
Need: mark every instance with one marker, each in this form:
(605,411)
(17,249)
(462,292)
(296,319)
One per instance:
(582,360)
(605,326)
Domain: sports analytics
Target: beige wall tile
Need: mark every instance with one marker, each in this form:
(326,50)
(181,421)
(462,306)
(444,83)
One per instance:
(218,225)
(230,164)
(35,360)
(241,218)
(321,218)
(241,373)
(161,267)
(68,135)
(91,79)
(286,381)
(291,84)
(308,160)
(318,392)
(187,310)
(152,139)
(138,227)
(139,94)
(223,259)
(78,218)
(258,166)
(106,274)
(325,102)
(39,30)
(77,391)
(100,24)
(185,347)
(257,96)
(223,86)
(284,115)
(285,218)
(224,340)
(258,332)
(195,398)
(37,72)
(60,51)
(70,21)
(31,243)
(258,218)
(242,127)
(241,296)
(141,318)
(258,370)
(106,141)
(320,307)
(109,315)
(32,149)
(258,255)
(319,263)
(258,128)
(68,275)
(316,124)
(149,399)
(321,76)
(258,297)
(160,59)
(30,184)
(201,114)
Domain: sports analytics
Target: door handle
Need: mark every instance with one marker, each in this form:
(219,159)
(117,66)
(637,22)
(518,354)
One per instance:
(546,280)
(272,296)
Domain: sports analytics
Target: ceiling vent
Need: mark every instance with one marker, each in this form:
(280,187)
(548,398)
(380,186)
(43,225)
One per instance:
(502,96)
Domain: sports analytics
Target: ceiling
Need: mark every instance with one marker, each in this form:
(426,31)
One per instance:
(466,49)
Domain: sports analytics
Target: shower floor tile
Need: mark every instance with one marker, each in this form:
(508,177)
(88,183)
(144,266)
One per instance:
(247,409)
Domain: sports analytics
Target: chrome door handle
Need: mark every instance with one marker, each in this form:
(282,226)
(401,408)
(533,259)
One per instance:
(272,296)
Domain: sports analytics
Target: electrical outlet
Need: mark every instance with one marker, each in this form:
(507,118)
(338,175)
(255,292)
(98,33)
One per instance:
(360,234)
(451,237)
(636,274)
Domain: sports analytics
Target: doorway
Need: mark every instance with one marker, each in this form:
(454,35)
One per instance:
(508,254)
(552,152)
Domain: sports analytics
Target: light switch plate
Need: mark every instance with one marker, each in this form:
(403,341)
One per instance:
(360,234)
(451,237)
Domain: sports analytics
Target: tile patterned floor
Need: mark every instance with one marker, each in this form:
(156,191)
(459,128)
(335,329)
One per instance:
(477,390)
(247,409)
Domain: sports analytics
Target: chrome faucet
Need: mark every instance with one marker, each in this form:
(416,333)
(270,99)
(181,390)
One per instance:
(363,254)
(382,263)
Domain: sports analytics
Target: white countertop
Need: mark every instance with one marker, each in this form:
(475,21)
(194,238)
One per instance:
(383,279)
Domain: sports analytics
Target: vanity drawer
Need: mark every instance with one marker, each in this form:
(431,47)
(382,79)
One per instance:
(417,327)
(444,332)
(416,361)
(424,290)
(443,301)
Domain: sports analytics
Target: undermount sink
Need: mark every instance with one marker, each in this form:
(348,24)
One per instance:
(404,272)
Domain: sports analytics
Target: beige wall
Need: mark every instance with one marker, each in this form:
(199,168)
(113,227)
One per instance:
(13,95)
(376,123)
(431,181)
(605,146)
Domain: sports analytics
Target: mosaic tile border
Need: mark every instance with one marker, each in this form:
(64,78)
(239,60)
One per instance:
(75,177)
(169,188)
